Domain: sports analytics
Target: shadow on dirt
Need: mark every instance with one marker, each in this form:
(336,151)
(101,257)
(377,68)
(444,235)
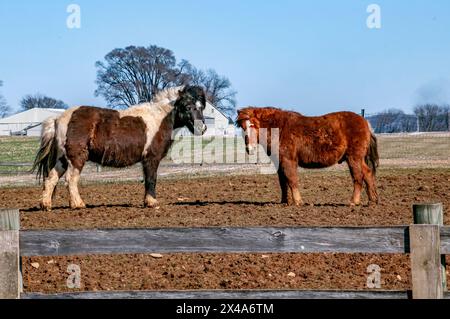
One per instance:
(196,203)
(252,203)
(38,209)
(224,203)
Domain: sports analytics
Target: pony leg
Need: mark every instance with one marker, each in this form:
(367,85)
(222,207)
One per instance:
(284,186)
(73,177)
(290,171)
(49,185)
(150,175)
(369,180)
(358,177)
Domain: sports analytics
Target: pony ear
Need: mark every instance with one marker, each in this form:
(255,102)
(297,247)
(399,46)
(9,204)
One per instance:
(241,113)
(240,118)
(185,90)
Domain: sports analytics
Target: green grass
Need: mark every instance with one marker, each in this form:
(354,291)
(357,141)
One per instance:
(184,150)
(419,147)
(17,150)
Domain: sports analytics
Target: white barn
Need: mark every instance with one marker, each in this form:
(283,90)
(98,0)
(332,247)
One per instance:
(218,123)
(27,123)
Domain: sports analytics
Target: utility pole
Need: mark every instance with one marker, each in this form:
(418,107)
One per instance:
(448,121)
(418,124)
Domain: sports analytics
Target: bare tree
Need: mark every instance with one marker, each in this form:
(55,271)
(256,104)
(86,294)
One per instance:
(218,89)
(433,117)
(29,102)
(135,74)
(393,121)
(5,109)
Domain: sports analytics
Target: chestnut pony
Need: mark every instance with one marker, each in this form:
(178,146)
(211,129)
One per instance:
(314,142)
(142,133)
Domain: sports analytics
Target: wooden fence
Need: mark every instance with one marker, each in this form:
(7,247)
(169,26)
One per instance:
(426,242)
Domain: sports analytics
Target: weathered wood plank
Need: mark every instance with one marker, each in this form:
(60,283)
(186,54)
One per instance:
(214,240)
(428,214)
(445,240)
(426,262)
(9,254)
(9,219)
(432,214)
(241,295)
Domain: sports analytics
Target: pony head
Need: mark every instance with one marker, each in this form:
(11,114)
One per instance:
(189,108)
(250,125)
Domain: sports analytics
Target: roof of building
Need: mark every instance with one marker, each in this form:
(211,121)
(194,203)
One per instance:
(36,115)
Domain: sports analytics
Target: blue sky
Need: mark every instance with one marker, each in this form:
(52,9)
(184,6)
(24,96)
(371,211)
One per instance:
(311,56)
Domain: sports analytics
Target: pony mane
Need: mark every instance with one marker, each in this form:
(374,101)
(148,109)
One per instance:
(265,114)
(167,95)
(161,102)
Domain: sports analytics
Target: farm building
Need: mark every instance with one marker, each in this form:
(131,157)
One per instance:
(218,123)
(26,123)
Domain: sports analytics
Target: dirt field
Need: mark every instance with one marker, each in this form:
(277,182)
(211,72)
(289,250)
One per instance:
(397,151)
(228,201)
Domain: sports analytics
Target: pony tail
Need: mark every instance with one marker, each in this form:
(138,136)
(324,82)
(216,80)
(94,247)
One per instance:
(46,157)
(373,157)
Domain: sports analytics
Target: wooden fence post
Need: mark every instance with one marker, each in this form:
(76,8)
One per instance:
(427,263)
(432,214)
(9,254)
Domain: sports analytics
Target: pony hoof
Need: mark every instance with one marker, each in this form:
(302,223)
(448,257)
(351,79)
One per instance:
(153,205)
(79,206)
(45,207)
(150,202)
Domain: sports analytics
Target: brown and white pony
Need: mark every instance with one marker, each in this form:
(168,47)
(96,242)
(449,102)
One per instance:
(142,133)
(314,142)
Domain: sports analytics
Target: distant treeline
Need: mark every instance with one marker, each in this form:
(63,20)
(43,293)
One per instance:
(426,118)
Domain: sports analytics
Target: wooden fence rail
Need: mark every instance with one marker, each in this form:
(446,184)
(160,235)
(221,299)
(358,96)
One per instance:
(214,240)
(425,243)
(240,294)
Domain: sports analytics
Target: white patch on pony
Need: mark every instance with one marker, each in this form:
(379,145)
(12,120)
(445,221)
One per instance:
(248,124)
(198,105)
(250,130)
(153,113)
(62,125)
(48,128)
